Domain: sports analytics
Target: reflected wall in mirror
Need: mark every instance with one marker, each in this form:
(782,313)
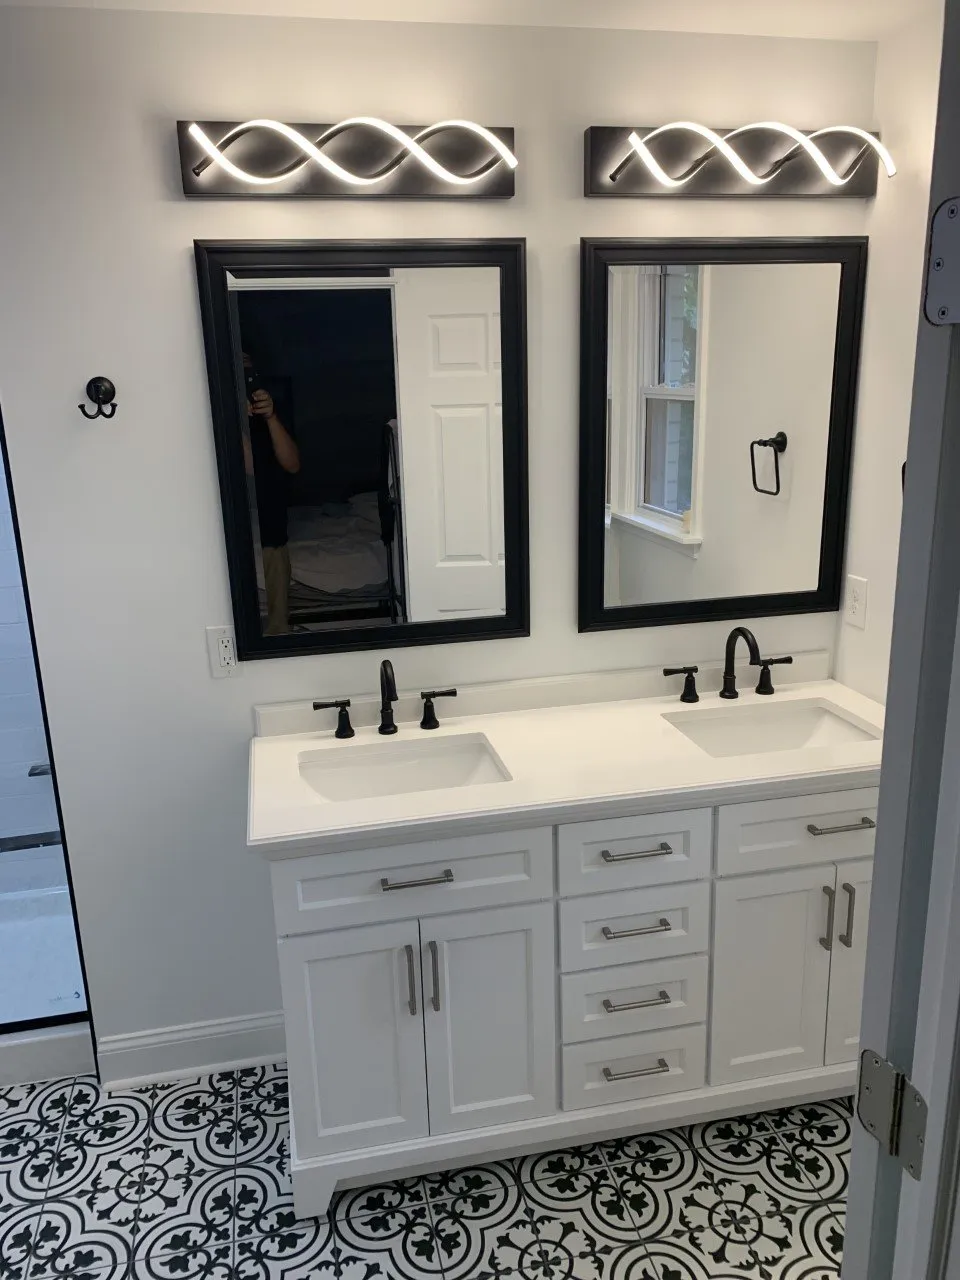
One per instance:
(369,410)
(718,394)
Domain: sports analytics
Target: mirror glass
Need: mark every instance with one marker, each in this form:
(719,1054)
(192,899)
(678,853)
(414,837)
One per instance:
(372,447)
(370,440)
(705,363)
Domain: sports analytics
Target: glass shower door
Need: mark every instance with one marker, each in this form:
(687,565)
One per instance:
(41,981)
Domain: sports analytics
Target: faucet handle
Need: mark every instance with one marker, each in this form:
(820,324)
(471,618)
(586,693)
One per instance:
(765,683)
(344,728)
(689,684)
(430,720)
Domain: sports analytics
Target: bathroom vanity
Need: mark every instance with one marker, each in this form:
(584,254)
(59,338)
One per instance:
(552,925)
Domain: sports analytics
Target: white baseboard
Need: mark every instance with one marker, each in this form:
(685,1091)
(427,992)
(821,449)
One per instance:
(196,1048)
(48,1054)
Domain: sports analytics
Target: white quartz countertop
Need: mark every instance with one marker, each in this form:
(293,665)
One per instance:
(562,760)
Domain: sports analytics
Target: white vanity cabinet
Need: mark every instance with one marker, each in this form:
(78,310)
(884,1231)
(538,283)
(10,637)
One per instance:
(790,945)
(467,998)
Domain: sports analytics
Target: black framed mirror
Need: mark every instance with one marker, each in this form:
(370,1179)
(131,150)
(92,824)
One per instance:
(718,394)
(369,415)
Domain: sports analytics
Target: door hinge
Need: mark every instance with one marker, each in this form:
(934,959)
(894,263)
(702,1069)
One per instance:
(941,297)
(892,1109)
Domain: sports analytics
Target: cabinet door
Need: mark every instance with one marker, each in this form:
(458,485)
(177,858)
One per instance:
(771,974)
(847,961)
(490,1014)
(351,1002)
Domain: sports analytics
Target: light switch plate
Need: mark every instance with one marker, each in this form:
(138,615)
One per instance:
(855,601)
(222,652)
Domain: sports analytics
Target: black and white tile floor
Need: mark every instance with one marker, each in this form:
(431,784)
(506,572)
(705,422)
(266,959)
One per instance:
(189,1182)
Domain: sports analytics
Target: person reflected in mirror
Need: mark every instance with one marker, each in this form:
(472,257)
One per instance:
(270,456)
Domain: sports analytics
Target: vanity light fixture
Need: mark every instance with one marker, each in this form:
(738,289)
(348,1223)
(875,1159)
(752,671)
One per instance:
(361,156)
(769,159)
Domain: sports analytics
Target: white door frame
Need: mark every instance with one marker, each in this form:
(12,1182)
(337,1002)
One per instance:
(921,763)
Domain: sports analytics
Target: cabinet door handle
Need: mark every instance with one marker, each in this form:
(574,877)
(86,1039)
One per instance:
(850,891)
(662,998)
(435,967)
(827,940)
(865,824)
(411,982)
(661,1069)
(445,877)
(661,851)
(613,935)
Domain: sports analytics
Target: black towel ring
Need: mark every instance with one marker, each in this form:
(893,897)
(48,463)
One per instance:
(778,444)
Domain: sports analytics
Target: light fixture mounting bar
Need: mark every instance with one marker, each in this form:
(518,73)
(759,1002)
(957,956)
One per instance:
(762,159)
(362,157)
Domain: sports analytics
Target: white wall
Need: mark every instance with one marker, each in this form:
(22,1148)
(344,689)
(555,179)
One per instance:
(908,72)
(121,519)
(768,350)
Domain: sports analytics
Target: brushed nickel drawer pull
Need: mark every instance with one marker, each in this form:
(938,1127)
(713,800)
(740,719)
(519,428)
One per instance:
(661,851)
(661,1069)
(445,877)
(847,938)
(612,935)
(865,824)
(662,998)
(827,940)
(411,982)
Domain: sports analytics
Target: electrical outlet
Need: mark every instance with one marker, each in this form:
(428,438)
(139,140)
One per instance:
(222,652)
(855,602)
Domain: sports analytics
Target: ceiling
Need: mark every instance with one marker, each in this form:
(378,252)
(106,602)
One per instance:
(816,19)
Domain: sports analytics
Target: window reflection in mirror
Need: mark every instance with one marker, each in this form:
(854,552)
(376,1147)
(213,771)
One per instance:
(703,359)
(372,446)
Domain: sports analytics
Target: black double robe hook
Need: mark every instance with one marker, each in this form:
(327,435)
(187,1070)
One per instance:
(101,391)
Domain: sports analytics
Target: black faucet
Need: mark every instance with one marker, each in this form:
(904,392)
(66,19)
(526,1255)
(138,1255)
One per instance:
(388,695)
(729,689)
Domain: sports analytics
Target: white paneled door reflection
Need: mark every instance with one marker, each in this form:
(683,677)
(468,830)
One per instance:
(451,440)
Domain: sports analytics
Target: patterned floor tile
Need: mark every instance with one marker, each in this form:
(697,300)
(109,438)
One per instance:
(741,1245)
(474,1182)
(27,1154)
(665,1145)
(551,1163)
(264,1090)
(499,1242)
(379,1199)
(591,1201)
(69,1242)
(189,1180)
(210,1136)
(824,1160)
(809,1114)
(403,1242)
(769,1161)
(18,1233)
(295,1252)
(712,1133)
(44,1104)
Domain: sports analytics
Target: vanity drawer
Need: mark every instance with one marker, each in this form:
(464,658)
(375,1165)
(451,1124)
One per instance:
(771,835)
(663,993)
(642,924)
(624,853)
(647,1065)
(333,890)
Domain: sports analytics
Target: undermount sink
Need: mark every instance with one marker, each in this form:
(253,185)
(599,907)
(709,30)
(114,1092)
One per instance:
(785,726)
(397,768)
